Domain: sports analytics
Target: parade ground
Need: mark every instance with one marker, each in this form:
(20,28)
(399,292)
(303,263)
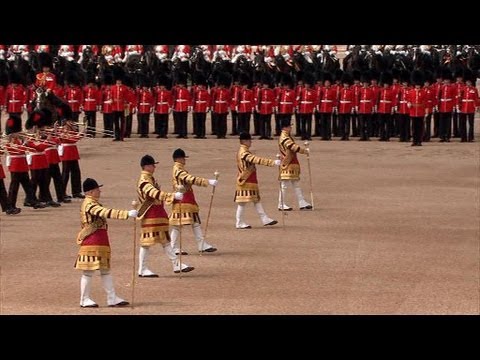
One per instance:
(395,230)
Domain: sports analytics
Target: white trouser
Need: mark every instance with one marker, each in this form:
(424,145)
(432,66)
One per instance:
(107,281)
(85,288)
(240,211)
(298,192)
(173,258)
(197,233)
(261,212)
(142,262)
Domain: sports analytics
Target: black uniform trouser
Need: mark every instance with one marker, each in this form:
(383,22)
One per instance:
(199,120)
(214,123)
(306,126)
(75,116)
(143,122)
(4,202)
(221,125)
(404,126)
(445,125)
(234,123)
(417,129)
(436,121)
(427,134)
(455,121)
(91,117)
(384,125)
(317,128)
(161,124)
(355,124)
(297,124)
(256,123)
(71,168)
(375,125)
(119,124)
(265,122)
(344,125)
(108,121)
(54,173)
(364,126)
(326,125)
(181,117)
(335,124)
(463,126)
(128,125)
(39,178)
(17,178)
(244,122)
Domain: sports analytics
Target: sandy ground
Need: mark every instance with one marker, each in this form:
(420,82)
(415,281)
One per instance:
(395,230)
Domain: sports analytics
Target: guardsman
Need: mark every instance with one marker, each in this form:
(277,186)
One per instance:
(154,218)
(201,105)
(120,97)
(92,99)
(74,94)
(436,94)
(286,101)
(245,104)
(107,102)
(15,95)
(145,107)
(247,190)
(266,103)
(235,89)
(403,113)
(366,103)
(290,168)
(328,104)
(469,101)
(306,104)
(95,253)
(69,156)
(431,103)
(447,99)
(459,84)
(387,102)
(131,104)
(417,102)
(186,211)
(221,100)
(182,103)
(4,201)
(17,165)
(163,106)
(346,106)
(45,79)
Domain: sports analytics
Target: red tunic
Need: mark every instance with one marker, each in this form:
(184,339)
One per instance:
(163,100)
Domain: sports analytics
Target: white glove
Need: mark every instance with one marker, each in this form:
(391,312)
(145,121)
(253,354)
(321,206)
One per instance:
(307,151)
(132,213)
(213,182)
(178,196)
(278,162)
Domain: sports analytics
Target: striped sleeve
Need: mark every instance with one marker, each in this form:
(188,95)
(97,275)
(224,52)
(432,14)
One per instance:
(288,143)
(184,177)
(151,191)
(253,159)
(103,212)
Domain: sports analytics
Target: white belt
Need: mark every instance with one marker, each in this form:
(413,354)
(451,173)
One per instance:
(286,102)
(365,101)
(37,153)
(144,103)
(16,156)
(245,102)
(201,102)
(181,100)
(72,101)
(107,102)
(446,99)
(220,101)
(385,101)
(51,148)
(13,101)
(265,102)
(162,103)
(468,100)
(327,100)
(90,100)
(345,101)
(69,144)
(306,102)
(403,102)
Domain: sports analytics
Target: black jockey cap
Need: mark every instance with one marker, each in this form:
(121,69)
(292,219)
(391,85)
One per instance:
(178,154)
(148,160)
(90,184)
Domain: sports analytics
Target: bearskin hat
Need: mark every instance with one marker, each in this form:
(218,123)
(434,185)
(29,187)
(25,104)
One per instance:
(90,78)
(386,78)
(327,76)
(446,74)
(72,78)
(118,73)
(396,74)
(267,79)
(199,79)
(417,78)
(244,79)
(319,76)
(163,80)
(108,78)
(15,77)
(309,78)
(299,76)
(13,124)
(468,76)
(459,72)
(429,77)
(128,81)
(374,74)
(346,78)
(405,76)
(356,74)
(339,74)
(45,60)
(224,79)
(257,76)
(366,77)
(181,78)
(3,78)
(287,79)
